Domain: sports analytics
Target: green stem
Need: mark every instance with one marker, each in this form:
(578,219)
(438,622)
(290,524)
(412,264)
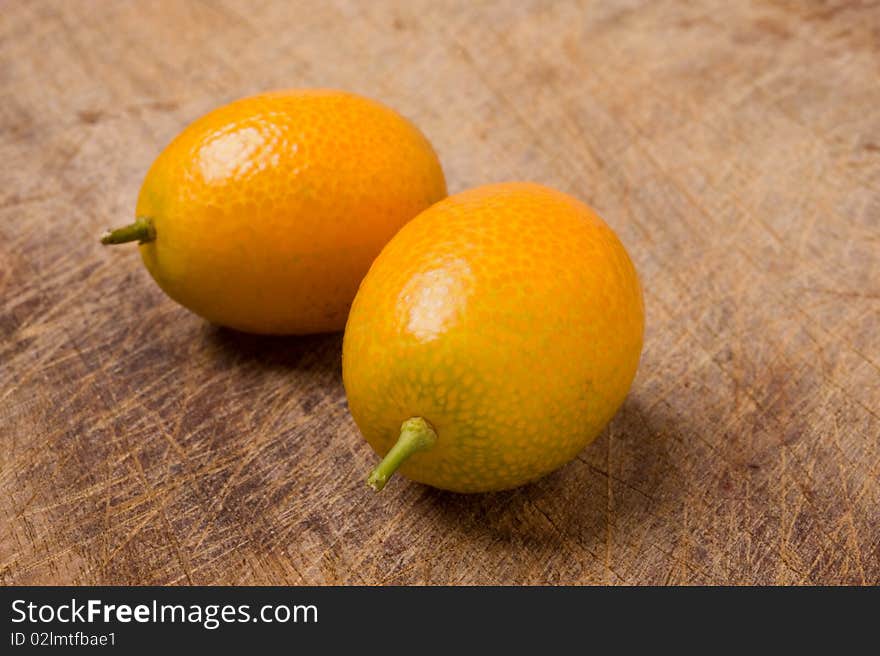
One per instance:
(141,231)
(416,434)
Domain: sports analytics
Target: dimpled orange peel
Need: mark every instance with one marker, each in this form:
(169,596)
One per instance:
(265,214)
(492,339)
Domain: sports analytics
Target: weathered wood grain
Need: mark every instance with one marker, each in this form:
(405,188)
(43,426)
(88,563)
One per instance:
(735,147)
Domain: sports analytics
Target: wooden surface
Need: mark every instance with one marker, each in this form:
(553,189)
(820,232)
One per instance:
(735,148)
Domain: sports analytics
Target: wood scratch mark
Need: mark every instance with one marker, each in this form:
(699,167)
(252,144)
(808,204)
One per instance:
(609,506)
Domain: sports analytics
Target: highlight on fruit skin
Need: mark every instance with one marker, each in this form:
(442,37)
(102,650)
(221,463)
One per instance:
(492,339)
(265,214)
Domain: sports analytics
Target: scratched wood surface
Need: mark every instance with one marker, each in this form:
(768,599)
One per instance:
(735,147)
